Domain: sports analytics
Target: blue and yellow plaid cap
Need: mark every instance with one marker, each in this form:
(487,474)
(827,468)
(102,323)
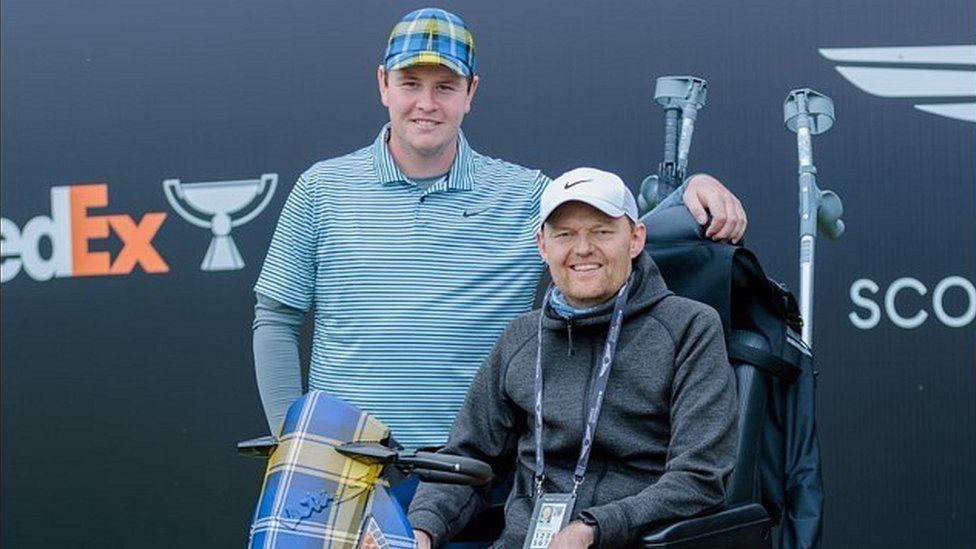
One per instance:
(431,36)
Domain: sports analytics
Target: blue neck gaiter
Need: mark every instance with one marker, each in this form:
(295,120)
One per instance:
(558,303)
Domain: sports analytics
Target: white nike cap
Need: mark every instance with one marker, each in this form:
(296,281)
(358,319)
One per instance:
(602,190)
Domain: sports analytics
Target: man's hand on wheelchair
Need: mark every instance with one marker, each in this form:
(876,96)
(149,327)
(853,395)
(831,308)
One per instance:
(576,535)
(706,195)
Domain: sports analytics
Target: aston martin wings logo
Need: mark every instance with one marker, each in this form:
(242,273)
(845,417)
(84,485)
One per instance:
(938,76)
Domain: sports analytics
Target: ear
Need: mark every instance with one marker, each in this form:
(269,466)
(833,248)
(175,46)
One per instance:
(638,236)
(541,244)
(471,90)
(383,83)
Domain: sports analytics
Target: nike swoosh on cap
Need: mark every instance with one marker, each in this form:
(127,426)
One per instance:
(574,183)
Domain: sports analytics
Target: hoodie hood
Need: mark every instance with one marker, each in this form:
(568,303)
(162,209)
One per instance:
(647,288)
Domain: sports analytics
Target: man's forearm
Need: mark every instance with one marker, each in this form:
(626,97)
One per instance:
(276,362)
(483,430)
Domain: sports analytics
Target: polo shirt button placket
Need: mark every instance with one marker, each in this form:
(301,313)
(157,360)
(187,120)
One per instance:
(418,216)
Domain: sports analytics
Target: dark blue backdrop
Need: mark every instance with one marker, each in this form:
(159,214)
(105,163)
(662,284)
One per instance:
(122,396)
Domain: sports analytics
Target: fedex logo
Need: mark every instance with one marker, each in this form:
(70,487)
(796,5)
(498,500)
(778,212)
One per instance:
(71,228)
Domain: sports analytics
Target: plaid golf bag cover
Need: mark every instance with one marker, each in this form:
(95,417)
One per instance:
(314,496)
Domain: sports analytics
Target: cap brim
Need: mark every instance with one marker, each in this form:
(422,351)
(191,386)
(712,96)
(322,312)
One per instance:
(415,59)
(602,205)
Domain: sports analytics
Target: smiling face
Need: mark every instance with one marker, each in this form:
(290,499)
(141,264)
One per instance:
(588,252)
(427,104)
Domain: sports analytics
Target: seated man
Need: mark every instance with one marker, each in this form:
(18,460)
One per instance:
(615,403)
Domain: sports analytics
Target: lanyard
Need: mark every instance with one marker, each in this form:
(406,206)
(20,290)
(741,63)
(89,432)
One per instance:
(596,394)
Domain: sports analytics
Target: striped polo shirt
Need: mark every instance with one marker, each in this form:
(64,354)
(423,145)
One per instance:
(410,287)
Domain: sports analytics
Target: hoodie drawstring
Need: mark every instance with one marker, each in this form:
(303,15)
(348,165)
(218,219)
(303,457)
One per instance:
(569,331)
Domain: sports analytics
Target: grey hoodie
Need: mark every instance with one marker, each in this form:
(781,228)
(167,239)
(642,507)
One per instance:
(665,441)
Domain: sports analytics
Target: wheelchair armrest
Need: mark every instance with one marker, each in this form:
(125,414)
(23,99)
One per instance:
(746,525)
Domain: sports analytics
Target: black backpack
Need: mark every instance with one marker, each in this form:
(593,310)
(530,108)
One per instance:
(779,452)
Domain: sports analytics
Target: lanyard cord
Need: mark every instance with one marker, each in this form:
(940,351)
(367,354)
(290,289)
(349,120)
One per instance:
(596,394)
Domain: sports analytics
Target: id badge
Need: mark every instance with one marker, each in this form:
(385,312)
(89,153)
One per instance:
(551,514)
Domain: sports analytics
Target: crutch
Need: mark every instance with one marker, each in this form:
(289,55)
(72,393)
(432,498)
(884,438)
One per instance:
(808,113)
(681,97)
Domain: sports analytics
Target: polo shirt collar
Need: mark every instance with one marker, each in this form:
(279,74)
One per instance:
(460,177)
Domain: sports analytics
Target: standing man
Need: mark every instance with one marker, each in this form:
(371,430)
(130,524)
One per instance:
(413,252)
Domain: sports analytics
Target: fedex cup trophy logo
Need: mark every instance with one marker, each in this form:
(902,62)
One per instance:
(221,206)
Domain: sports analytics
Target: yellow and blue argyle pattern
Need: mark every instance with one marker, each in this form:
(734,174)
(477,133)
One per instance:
(313,496)
(431,36)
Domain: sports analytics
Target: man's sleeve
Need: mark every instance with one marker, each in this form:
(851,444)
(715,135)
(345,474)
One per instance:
(486,428)
(701,452)
(276,363)
(288,274)
(539,185)
(676,198)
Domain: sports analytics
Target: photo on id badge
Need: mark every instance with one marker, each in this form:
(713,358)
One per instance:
(548,519)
